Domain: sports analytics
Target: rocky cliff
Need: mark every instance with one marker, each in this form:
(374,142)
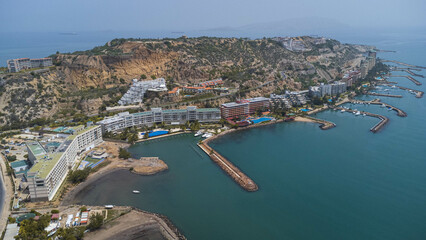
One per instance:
(85,82)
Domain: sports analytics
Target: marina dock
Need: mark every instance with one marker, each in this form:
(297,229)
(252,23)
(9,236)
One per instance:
(383,95)
(383,120)
(404,64)
(235,173)
(399,112)
(409,78)
(419,94)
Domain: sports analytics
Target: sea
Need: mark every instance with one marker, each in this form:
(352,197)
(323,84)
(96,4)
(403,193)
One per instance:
(342,183)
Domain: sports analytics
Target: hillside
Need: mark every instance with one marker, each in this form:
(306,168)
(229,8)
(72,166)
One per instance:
(88,81)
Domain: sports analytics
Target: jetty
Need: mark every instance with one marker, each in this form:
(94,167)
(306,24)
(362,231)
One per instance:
(408,77)
(383,120)
(404,64)
(377,101)
(383,95)
(236,174)
(324,125)
(418,93)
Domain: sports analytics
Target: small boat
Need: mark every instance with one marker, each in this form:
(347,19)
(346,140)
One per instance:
(358,113)
(198,133)
(207,135)
(136,191)
(342,111)
(389,109)
(383,105)
(364,114)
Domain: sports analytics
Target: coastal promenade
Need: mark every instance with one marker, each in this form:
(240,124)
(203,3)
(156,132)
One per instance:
(239,177)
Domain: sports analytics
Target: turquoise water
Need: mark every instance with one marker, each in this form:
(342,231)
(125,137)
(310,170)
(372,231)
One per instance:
(343,183)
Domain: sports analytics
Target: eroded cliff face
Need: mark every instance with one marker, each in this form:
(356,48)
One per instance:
(84,82)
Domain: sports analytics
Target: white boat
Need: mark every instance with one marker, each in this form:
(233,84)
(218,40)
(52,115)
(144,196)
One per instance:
(198,133)
(342,111)
(364,114)
(358,113)
(383,105)
(207,135)
(136,191)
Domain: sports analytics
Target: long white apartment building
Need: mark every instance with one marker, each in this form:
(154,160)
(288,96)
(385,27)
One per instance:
(50,169)
(157,115)
(138,89)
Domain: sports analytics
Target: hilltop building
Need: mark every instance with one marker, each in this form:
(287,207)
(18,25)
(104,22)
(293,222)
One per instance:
(211,83)
(138,89)
(50,169)
(243,107)
(157,115)
(16,65)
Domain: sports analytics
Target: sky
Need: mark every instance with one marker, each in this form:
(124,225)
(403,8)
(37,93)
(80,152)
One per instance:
(184,15)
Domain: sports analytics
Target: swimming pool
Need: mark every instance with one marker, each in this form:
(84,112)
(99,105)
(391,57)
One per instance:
(259,120)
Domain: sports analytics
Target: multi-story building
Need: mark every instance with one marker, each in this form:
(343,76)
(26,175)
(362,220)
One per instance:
(211,83)
(244,107)
(328,89)
(41,62)
(138,89)
(158,115)
(50,169)
(289,99)
(16,65)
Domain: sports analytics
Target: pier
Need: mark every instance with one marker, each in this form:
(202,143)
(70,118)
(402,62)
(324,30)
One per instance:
(418,93)
(383,120)
(377,101)
(383,95)
(239,177)
(324,125)
(404,64)
(408,77)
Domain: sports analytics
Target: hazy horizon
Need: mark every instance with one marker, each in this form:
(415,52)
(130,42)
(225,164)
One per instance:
(191,15)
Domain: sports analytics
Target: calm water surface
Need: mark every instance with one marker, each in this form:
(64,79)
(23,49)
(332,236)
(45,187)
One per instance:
(343,183)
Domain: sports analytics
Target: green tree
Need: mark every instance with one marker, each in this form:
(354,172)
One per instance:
(133,138)
(124,154)
(96,222)
(143,76)
(153,77)
(75,233)
(79,176)
(146,135)
(11,158)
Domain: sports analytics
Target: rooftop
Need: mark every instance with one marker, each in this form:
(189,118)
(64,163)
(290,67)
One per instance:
(36,148)
(45,164)
(18,164)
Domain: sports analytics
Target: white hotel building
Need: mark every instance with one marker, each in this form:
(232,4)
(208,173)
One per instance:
(50,169)
(157,115)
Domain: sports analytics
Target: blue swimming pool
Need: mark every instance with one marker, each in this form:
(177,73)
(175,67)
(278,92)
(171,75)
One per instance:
(156,133)
(259,120)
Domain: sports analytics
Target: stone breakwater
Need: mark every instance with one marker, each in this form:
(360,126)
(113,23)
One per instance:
(235,173)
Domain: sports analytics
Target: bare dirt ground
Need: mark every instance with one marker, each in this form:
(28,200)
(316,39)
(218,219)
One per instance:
(135,225)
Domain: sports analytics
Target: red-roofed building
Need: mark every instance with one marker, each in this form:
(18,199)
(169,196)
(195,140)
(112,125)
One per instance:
(174,92)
